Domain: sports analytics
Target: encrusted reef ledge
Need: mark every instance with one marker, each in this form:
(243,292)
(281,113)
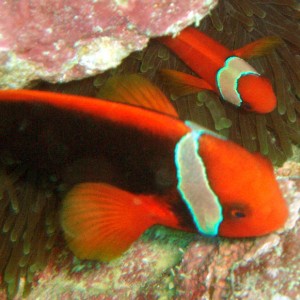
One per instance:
(59,41)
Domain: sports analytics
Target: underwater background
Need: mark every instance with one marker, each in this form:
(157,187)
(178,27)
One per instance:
(165,264)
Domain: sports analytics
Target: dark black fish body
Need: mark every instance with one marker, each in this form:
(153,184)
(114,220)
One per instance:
(54,139)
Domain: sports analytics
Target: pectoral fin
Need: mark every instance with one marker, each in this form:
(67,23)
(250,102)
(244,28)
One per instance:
(101,221)
(182,84)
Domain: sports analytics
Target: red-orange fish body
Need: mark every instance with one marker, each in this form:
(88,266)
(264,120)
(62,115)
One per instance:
(221,70)
(130,167)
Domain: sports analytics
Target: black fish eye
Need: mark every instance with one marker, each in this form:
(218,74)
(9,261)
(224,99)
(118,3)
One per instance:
(246,106)
(238,213)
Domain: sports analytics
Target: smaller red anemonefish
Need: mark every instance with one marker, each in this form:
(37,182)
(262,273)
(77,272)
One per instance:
(221,70)
(157,169)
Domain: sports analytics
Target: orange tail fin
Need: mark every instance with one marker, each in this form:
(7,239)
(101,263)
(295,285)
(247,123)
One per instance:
(182,84)
(101,221)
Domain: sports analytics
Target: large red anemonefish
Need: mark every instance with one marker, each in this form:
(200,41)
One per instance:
(221,70)
(149,167)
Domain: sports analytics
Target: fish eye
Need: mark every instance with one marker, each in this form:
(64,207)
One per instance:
(237,213)
(246,106)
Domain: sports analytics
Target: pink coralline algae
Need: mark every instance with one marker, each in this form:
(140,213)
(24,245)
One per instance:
(59,41)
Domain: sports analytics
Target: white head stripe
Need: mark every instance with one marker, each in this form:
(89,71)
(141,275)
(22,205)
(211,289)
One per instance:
(193,184)
(228,76)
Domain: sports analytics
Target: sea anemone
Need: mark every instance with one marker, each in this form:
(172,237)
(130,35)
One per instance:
(29,224)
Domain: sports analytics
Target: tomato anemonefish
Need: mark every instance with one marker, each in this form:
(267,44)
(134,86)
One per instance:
(221,70)
(154,168)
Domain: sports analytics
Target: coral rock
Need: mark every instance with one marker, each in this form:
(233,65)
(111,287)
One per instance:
(59,41)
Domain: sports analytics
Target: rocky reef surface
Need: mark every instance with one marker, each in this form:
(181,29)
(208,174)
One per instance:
(59,41)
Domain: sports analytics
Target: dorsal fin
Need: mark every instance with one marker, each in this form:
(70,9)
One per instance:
(136,90)
(258,48)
